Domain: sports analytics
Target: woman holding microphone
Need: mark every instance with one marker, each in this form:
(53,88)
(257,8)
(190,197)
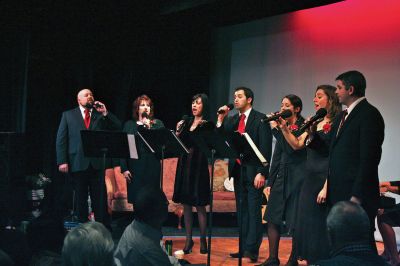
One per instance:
(138,173)
(192,181)
(286,177)
(310,234)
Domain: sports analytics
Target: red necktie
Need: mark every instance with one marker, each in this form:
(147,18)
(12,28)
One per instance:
(241,129)
(87,118)
(242,126)
(342,121)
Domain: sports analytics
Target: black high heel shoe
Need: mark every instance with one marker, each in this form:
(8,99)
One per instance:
(203,245)
(188,250)
(292,261)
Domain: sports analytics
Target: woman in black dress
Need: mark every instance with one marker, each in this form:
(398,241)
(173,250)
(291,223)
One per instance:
(144,171)
(311,233)
(192,180)
(286,176)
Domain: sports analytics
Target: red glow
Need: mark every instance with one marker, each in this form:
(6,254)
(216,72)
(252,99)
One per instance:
(352,23)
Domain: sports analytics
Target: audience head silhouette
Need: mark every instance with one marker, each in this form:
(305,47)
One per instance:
(5,260)
(347,223)
(151,206)
(88,244)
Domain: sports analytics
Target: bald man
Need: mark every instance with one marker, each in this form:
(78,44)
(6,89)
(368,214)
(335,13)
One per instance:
(86,173)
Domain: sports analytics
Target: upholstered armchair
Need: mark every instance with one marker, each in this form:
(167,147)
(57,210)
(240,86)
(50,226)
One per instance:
(224,201)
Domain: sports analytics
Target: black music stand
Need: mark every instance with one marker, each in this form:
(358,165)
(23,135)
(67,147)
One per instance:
(249,155)
(107,144)
(214,146)
(164,144)
(245,145)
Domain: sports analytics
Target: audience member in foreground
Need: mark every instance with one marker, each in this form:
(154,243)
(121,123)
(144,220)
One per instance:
(348,233)
(5,260)
(387,219)
(88,244)
(14,243)
(140,242)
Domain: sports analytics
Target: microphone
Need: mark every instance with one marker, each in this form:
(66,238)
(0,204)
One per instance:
(320,114)
(283,114)
(185,118)
(93,105)
(145,115)
(230,107)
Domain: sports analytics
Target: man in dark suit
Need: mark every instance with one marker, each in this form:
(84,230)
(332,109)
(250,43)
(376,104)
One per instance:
(85,172)
(252,183)
(356,147)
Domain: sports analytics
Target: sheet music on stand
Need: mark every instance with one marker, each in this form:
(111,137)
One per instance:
(133,152)
(244,144)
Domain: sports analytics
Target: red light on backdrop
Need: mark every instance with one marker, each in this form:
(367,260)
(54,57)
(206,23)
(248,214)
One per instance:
(352,22)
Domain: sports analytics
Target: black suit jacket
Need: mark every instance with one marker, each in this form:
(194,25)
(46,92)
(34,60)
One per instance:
(69,144)
(259,132)
(355,154)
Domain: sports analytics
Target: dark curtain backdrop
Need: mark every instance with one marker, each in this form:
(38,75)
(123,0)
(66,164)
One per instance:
(119,56)
(14,56)
(166,59)
(119,51)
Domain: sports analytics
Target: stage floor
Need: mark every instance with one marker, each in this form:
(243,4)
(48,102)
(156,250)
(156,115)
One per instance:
(222,246)
(225,241)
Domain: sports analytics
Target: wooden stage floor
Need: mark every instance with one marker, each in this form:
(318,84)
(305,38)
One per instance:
(222,246)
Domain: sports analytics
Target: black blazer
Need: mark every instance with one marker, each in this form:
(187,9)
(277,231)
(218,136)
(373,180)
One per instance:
(259,132)
(355,154)
(69,144)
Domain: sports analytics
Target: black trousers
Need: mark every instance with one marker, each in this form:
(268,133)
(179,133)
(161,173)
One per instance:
(250,214)
(91,182)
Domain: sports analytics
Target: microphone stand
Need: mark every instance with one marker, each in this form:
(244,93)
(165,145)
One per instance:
(210,214)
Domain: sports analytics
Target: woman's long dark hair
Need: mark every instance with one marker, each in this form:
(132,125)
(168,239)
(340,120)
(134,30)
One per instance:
(335,107)
(204,99)
(296,102)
